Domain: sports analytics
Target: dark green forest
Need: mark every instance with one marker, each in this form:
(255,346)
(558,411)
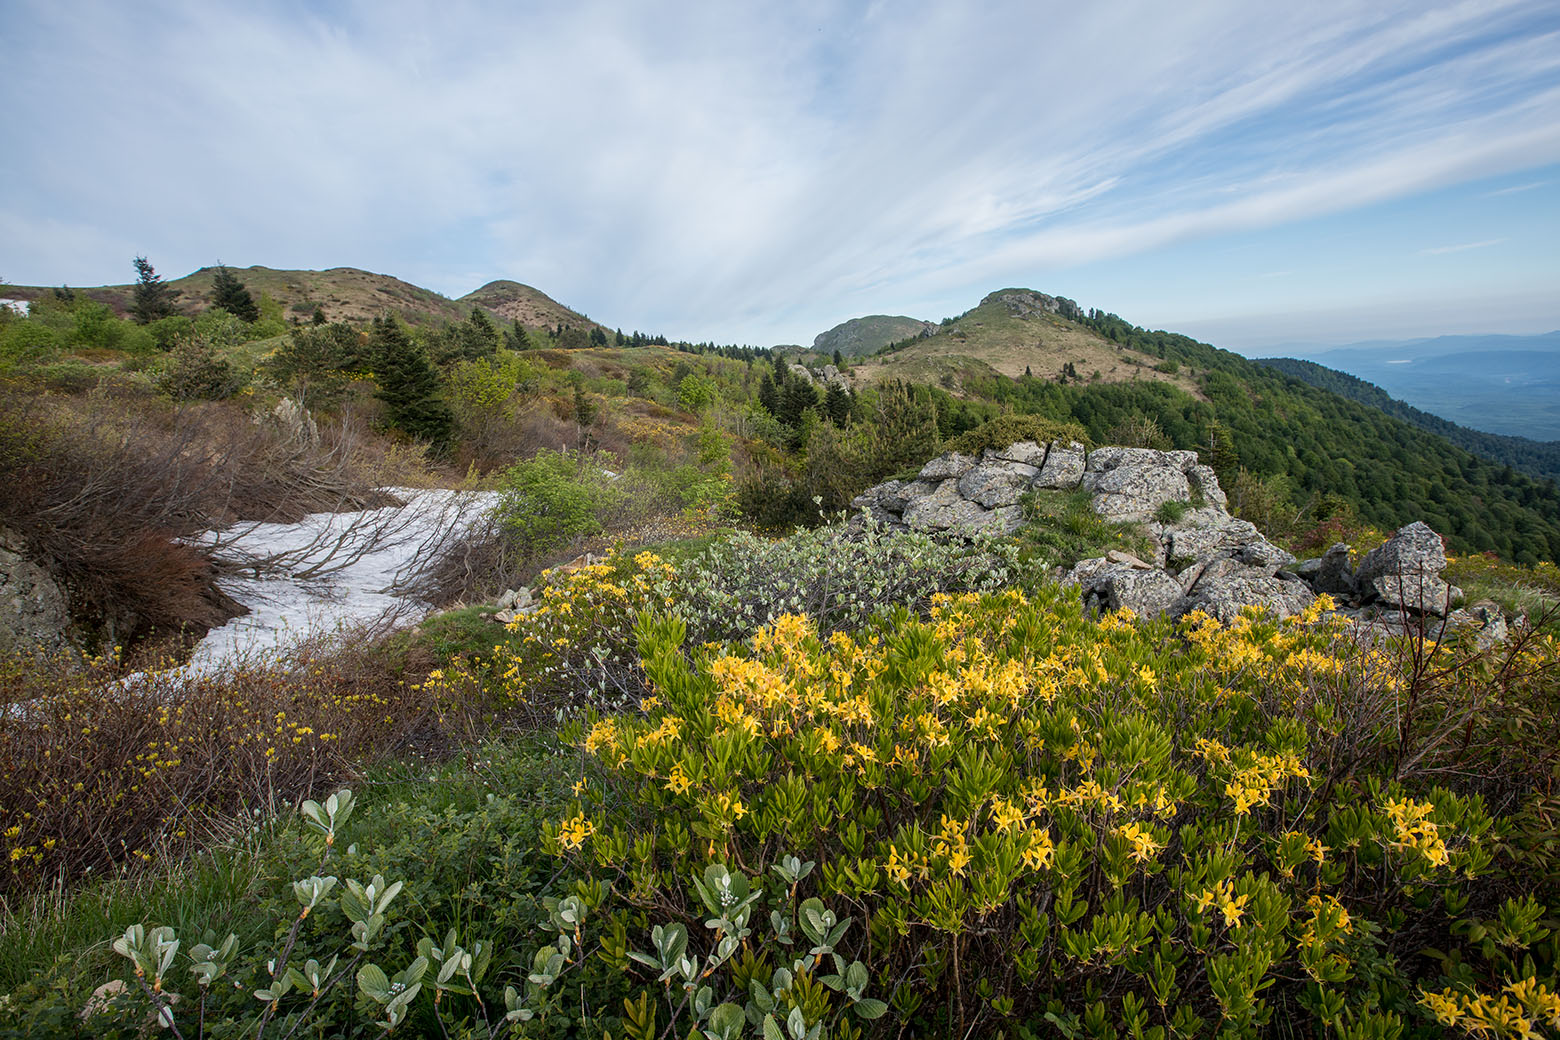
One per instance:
(1539,459)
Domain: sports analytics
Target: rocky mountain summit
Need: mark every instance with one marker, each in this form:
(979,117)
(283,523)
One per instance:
(1204,558)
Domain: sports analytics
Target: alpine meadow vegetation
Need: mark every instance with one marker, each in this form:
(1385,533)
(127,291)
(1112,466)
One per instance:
(740,764)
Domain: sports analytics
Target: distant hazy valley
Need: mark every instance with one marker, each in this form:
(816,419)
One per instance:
(1503,384)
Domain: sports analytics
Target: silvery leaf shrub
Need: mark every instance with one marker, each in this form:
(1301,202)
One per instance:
(837,575)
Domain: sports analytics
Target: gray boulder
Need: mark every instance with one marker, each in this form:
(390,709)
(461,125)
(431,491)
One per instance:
(1205,484)
(883,502)
(1225,597)
(945,466)
(1063,467)
(1026,452)
(998,482)
(1414,549)
(1206,532)
(34,614)
(1330,572)
(1135,493)
(1405,571)
(1110,585)
(1421,593)
(1147,593)
(944,510)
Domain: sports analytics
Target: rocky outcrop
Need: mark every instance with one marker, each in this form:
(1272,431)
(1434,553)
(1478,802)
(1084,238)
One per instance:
(1405,572)
(34,613)
(1203,559)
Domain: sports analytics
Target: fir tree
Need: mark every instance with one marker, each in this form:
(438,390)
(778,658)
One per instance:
(409,385)
(231,295)
(836,404)
(515,337)
(154,298)
(479,336)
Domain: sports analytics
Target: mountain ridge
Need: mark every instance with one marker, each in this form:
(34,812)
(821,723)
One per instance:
(345,294)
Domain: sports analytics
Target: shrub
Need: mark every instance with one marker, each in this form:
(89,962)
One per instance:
(1010,429)
(196,372)
(577,649)
(1138,431)
(107,494)
(103,770)
(552,499)
(1111,829)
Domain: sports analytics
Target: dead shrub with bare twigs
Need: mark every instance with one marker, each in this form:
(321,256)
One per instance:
(104,770)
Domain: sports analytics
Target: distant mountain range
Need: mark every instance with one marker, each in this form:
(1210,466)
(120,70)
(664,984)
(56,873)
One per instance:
(1501,384)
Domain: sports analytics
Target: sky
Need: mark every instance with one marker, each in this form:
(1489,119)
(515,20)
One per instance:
(1251,174)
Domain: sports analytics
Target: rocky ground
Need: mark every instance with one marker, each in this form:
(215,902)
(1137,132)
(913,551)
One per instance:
(1204,558)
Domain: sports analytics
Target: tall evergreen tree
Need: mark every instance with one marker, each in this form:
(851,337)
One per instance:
(232,296)
(479,336)
(409,384)
(836,404)
(154,299)
(515,337)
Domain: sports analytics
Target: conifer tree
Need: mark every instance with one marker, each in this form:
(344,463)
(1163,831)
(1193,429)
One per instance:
(515,337)
(409,384)
(479,336)
(154,298)
(836,404)
(232,296)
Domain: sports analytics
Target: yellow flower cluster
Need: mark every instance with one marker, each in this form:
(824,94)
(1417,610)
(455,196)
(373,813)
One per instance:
(1414,829)
(1519,1011)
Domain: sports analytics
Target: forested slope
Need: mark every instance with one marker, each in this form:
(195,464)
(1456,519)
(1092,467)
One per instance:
(1536,458)
(1258,418)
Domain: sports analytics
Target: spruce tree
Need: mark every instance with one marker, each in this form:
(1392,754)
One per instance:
(232,296)
(409,385)
(515,337)
(479,337)
(154,298)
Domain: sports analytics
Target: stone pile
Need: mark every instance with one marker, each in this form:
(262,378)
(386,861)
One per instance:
(1204,558)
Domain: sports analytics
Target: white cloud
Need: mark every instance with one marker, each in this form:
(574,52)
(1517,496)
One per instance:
(1460,247)
(735,171)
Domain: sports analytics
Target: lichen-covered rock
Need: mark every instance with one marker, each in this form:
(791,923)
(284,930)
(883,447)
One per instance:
(1026,452)
(943,509)
(1265,556)
(1205,485)
(1063,467)
(1225,597)
(34,613)
(1414,549)
(1418,592)
(1206,532)
(1108,585)
(943,467)
(1330,572)
(1135,493)
(1405,571)
(998,482)
(1147,593)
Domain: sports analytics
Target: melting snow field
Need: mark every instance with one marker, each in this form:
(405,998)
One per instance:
(329,569)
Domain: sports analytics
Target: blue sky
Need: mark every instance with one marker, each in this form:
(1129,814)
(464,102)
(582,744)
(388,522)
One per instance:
(758,172)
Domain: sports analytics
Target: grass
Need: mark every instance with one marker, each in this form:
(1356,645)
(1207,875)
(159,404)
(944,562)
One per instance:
(1061,529)
(992,338)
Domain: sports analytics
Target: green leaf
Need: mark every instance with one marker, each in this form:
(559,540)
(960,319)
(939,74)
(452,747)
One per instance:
(870,1008)
(372,980)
